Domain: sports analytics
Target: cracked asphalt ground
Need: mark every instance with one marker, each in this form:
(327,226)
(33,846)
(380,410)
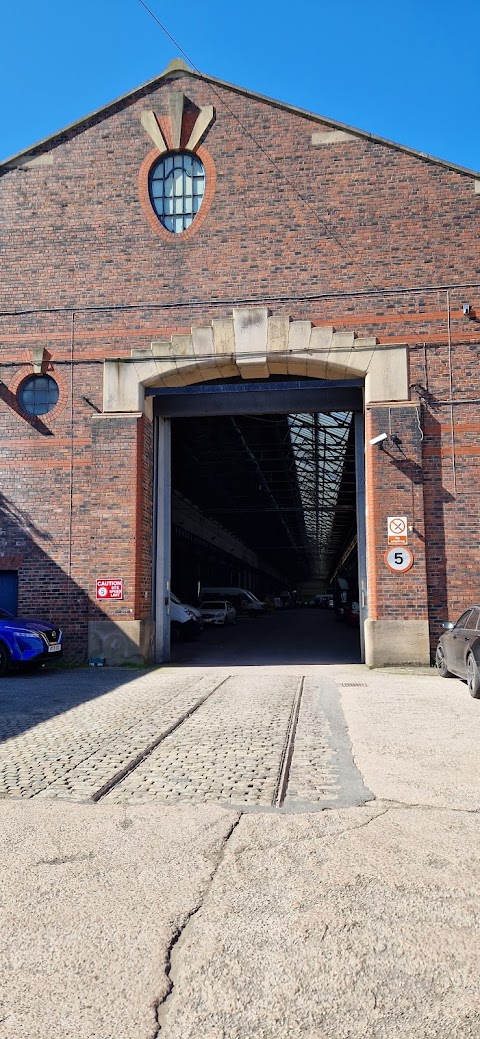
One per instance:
(352,910)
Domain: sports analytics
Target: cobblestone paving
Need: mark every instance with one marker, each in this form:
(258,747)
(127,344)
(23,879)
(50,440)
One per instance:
(313,771)
(73,753)
(69,735)
(228,751)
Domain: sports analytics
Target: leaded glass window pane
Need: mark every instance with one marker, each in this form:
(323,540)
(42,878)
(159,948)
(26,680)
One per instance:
(177,187)
(38,394)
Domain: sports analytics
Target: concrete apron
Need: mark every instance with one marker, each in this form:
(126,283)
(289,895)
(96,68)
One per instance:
(353,922)
(140,921)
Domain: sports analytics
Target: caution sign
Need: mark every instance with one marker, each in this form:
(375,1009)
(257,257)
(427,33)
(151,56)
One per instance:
(397,530)
(399,560)
(110,588)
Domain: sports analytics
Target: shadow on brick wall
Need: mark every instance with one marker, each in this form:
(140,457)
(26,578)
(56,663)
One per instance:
(44,589)
(34,421)
(29,697)
(428,475)
(436,497)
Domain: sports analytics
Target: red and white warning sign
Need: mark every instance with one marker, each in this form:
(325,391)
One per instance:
(110,588)
(397,530)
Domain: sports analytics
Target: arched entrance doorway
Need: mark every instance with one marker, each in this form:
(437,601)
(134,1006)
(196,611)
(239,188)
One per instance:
(254,345)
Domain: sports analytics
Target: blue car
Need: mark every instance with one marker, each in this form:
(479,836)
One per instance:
(26,641)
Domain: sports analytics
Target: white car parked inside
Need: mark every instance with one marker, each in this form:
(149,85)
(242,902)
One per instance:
(218,611)
(183,622)
(240,598)
(193,611)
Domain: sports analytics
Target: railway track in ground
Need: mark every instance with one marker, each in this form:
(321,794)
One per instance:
(257,739)
(142,756)
(233,744)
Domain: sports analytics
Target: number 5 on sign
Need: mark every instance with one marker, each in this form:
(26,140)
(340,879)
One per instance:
(399,560)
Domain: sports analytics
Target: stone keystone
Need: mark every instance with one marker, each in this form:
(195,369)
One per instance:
(251,333)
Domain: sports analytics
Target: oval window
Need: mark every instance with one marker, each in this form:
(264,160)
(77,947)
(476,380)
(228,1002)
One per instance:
(38,394)
(177,187)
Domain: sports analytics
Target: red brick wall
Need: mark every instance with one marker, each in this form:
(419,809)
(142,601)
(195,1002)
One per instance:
(394,481)
(116,511)
(76,238)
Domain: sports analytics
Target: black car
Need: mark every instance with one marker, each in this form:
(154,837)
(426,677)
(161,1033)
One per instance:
(458,650)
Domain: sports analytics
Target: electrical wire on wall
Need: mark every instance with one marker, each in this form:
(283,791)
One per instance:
(214,301)
(420,430)
(70,504)
(450,376)
(419,423)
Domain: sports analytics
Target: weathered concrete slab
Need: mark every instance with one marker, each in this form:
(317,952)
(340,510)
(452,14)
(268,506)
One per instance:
(91,898)
(349,923)
(415,738)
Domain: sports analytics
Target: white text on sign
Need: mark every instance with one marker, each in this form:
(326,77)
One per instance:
(397,530)
(109,588)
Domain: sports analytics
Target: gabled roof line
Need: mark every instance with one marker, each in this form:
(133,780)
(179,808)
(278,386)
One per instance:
(176,67)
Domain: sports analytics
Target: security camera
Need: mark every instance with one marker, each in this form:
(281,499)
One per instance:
(379,439)
(466,309)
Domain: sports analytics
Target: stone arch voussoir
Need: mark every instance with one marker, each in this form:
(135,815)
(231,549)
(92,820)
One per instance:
(254,344)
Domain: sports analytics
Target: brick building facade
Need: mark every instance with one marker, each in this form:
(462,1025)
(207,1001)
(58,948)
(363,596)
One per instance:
(350,257)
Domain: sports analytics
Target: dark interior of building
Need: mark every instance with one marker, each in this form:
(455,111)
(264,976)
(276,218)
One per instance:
(267,503)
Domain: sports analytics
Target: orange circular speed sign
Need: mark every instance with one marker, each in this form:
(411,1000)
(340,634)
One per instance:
(399,560)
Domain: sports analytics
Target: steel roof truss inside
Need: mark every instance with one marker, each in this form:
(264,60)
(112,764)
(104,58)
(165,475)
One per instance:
(283,484)
(319,443)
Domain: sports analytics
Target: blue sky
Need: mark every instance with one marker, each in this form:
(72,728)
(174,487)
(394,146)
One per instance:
(408,72)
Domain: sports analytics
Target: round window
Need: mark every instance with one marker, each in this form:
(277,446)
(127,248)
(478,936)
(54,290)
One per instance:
(38,394)
(177,187)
